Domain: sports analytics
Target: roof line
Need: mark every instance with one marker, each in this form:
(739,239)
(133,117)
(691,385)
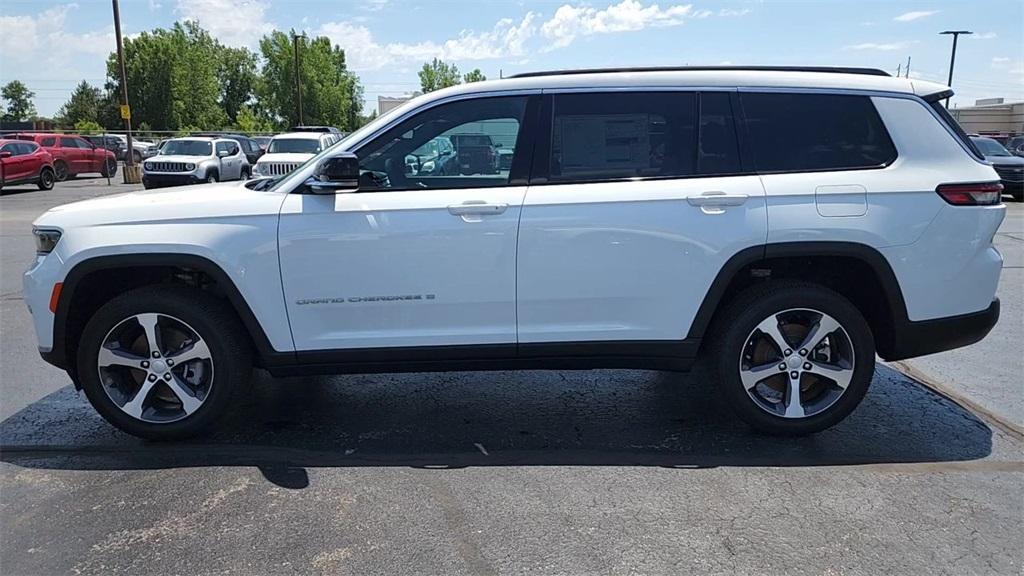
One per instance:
(828,69)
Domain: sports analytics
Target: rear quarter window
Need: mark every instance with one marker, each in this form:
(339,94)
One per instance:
(48,142)
(815,132)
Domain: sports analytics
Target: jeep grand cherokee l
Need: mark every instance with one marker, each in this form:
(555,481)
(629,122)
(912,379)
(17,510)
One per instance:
(785,225)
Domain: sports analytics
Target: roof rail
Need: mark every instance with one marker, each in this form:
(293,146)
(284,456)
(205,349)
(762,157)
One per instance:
(830,69)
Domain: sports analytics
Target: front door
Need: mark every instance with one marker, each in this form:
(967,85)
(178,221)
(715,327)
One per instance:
(412,259)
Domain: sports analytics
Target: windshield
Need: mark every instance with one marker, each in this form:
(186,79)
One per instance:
(468,140)
(990,147)
(293,145)
(186,148)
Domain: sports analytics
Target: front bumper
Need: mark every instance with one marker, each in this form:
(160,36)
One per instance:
(914,339)
(158,180)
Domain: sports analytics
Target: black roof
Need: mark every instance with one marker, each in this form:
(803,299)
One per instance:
(830,69)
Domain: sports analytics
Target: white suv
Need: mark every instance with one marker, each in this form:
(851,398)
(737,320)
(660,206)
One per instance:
(286,152)
(784,224)
(193,160)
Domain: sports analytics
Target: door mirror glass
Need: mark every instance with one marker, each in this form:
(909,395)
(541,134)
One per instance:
(223,153)
(336,175)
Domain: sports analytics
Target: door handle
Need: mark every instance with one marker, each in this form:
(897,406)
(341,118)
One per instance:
(715,201)
(476,207)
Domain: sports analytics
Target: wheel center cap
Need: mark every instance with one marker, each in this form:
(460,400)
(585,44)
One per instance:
(159,366)
(794,361)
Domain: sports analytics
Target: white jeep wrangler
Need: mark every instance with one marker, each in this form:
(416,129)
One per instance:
(786,224)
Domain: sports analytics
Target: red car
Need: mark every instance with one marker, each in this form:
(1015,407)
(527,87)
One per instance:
(25,163)
(73,155)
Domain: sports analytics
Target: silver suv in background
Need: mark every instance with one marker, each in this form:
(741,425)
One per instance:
(183,161)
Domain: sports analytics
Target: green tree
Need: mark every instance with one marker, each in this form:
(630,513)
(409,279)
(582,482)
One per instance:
(84,105)
(249,121)
(236,74)
(474,76)
(88,127)
(18,101)
(331,94)
(438,74)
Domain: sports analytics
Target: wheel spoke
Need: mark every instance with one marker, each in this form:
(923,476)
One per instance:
(770,328)
(110,357)
(751,376)
(794,409)
(133,407)
(189,403)
(822,328)
(149,325)
(841,375)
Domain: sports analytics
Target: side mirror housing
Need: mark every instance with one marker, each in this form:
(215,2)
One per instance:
(222,153)
(335,175)
(5,154)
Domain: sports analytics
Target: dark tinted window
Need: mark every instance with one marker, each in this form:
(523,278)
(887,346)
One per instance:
(48,141)
(718,150)
(66,142)
(800,132)
(26,147)
(623,135)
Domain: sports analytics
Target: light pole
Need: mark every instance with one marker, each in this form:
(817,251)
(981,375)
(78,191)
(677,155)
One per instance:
(129,159)
(298,84)
(952,58)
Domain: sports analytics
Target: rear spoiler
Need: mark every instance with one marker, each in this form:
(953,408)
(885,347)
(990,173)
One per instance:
(936,96)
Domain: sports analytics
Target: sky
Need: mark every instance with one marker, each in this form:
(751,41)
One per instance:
(52,45)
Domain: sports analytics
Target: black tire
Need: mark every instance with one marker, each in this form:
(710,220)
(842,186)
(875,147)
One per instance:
(212,177)
(46,179)
(245,175)
(60,170)
(729,338)
(213,320)
(109,168)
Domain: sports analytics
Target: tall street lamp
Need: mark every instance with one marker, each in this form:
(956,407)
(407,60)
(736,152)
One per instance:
(952,59)
(298,84)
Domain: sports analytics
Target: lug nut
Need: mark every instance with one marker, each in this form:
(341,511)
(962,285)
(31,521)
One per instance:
(794,374)
(803,352)
(788,352)
(156,354)
(145,363)
(170,362)
(167,376)
(152,377)
(782,366)
(807,365)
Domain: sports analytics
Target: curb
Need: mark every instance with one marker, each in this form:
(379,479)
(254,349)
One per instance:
(977,409)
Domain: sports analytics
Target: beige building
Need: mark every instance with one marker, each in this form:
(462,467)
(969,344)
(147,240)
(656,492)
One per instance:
(991,117)
(386,104)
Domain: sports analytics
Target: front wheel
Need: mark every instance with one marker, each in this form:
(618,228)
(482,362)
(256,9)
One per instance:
(211,178)
(792,358)
(162,362)
(60,170)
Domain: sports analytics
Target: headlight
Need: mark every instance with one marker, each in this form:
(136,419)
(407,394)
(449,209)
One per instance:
(148,165)
(428,166)
(190,167)
(257,169)
(46,240)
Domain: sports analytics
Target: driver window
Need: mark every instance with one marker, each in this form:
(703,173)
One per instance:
(465,144)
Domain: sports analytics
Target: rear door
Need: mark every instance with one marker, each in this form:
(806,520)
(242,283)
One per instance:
(73,155)
(636,200)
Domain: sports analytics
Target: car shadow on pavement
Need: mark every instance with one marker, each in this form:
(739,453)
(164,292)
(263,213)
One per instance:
(454,420)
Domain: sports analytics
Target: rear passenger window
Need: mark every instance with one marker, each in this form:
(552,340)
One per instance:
(68,143)
(718,150)
(615,135)
(808,132)
(49,141)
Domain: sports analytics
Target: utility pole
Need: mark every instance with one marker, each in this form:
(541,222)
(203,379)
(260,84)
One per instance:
(129,158)
(899,70)
(908,67)
(952,58)
(298,83)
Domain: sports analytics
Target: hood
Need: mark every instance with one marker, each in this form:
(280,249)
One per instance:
(294,157)
(1005,160)
(202,202)
(178,158)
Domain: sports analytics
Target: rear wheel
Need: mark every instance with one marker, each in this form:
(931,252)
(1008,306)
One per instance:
(162,362)
(245,175)
(60,170)
(109,168)
(46,179)
(792,358)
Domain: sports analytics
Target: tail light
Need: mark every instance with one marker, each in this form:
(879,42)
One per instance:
(982,194)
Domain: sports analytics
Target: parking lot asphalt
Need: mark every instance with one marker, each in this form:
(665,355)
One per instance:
(605,471)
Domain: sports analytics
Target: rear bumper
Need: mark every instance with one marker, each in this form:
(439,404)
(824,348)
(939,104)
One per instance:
(940,334)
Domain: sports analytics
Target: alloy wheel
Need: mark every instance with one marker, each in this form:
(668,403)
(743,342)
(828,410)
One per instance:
(797,363)
(155,368)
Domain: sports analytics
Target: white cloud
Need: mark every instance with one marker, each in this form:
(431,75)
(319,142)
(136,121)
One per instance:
(883,46)
(999,60)
(627,16)
(232,22)
(984,36)
(915,15)
(362,52)
(44,42)
(373,5)
(733,12)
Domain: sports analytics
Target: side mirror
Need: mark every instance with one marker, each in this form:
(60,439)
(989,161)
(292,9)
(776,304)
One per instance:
(223,153)
(5,154)
(336,174)
(498,145)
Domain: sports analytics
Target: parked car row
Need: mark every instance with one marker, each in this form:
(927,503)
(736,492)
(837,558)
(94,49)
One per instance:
(1009,167)
(72,155)
(25,163)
